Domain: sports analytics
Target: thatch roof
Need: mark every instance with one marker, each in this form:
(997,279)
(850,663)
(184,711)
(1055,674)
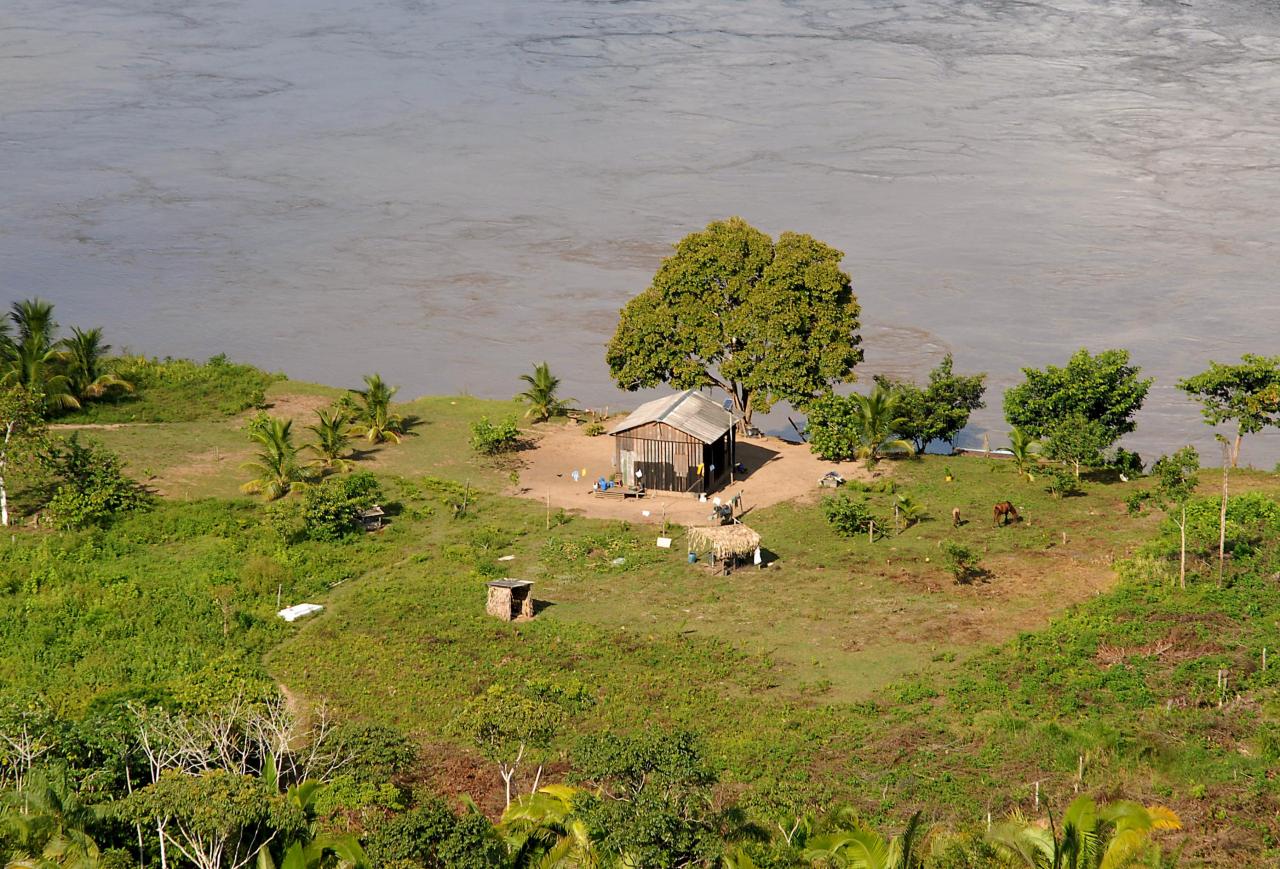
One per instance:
(724,541)
(690,411)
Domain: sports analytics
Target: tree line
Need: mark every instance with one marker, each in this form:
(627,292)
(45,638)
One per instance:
(247,781)
(769,321)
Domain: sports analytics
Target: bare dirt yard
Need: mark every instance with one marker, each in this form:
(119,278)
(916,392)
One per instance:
(776,471)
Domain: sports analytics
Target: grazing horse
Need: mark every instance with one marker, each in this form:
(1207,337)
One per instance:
(1004,513)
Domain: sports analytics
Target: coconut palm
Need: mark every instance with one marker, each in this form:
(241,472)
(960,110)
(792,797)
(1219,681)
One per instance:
(846,842)
(1024,449)
(277,466)
(909,510)
(540,831)
(33,360)
(333,440)
(875,421)
(374,420)
(541,394)
(83,354)
(50,826)
(1112,836)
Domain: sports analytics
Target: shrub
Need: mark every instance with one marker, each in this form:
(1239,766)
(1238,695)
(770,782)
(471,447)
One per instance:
(1059,482)
(960,561)
(595,428)
(328,510)
(493,439)
(92,488)
(849,516)
(1127,463)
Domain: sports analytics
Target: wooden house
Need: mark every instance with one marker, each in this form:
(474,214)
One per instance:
(680,443)
(510,599)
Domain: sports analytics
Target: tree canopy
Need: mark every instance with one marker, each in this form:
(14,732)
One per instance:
(1247,394)
(939,410)
(765,321)
(1104,388)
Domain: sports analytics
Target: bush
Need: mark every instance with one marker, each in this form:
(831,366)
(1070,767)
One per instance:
(1127,463)
(328,510)
(180,390)
(492,439)
(593,429)
(92,488)
(1059,482)
(849,516)
(960,561)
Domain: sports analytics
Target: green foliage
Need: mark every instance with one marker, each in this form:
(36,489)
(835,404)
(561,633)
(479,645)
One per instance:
(502,720)
(375,420)
(1177,476)
(593,429)
(1060,482)
(1025,449)
(849,516)
(84,355)
(541,395)
(491,439)
(91,486)
(1126,462)
(1247,393)
(1104,389)
(430,835)
(1078,440)
(333,442)
(34,360)
(938,411)
(843,427)
(766,321)
(178,390)
(277,468)
(378,752)
(1252,519)
(328,510)
(962,562)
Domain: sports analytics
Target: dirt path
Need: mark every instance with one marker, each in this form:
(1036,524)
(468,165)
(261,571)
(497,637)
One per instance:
(777,471)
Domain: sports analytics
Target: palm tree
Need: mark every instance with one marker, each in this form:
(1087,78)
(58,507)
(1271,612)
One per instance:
(375,420)
(909,510)
(277,466)
(541,394)
(50,826)
(540,831)
(83,353)
(846,841)
(875,421)
(1024,449)
(332,440)
(33,359)
(1112,836)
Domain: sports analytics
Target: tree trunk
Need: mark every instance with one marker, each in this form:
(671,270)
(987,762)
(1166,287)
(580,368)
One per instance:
(1222,516)
(1235,450)
(1182,554)
(164,860)
(4,460)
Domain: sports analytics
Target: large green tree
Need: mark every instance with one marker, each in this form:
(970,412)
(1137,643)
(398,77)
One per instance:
(843,427)
(940,409)
(765,321)
(1105,389)
(1247,394)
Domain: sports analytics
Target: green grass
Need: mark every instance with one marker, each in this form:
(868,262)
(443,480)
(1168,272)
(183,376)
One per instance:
(848,669)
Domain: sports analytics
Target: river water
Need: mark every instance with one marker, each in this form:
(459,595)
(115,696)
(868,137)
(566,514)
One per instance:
(449,191)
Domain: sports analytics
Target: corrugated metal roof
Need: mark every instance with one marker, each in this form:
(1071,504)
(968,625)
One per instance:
(690,411)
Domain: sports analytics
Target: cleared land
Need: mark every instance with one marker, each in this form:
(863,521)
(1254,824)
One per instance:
(848,669)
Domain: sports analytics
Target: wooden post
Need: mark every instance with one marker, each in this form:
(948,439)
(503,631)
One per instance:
(1264,659)
(871,531)
(1037,795)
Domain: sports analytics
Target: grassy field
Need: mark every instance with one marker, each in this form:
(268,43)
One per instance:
(847,669)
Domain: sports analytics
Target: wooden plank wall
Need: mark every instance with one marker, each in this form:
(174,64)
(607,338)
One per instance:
(668,457)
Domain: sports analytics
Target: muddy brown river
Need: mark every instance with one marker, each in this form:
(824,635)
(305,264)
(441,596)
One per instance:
(449,191)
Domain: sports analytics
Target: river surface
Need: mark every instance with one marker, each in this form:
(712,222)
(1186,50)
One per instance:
(449,191)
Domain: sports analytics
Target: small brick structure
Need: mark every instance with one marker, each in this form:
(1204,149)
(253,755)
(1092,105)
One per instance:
(510,599)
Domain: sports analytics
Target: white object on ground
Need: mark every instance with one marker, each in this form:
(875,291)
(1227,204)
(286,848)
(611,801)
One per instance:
(507,558)
(664,542)
(297,611)
(644,513)
(619,561)
(758,559)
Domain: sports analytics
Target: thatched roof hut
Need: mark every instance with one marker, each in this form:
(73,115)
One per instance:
(725,542)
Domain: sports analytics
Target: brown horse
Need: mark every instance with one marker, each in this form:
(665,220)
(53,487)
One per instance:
(1004,513)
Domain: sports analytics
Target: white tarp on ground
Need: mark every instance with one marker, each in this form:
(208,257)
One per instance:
(297,611)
